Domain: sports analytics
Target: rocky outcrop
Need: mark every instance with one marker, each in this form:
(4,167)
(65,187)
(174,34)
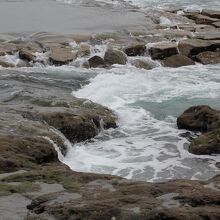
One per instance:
(191,47)
(96,61)
(135,50)
(113,56)
(162,50)
(206,120)
(208,143)
(208,57)
(199,118)
(61,55)
(177,61)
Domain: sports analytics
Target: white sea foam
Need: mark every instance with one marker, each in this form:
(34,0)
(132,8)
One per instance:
(145,147)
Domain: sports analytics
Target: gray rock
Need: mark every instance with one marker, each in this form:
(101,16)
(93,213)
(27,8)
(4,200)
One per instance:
(177,61)
(191,47)
(162,50)
(199,118)
(61,55)
(208,57)
(113,56)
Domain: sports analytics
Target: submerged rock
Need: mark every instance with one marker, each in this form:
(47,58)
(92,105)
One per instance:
(199,118)
(177,61)
(113,56)
(162,50)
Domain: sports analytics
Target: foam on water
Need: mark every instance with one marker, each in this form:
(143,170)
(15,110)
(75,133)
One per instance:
(144,146)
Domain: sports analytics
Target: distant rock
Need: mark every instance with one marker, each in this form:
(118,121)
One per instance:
(113,56)
(96,61)
(208,57)
(135,50)
(61,55)
(162,50)
(199,118)
(177,61)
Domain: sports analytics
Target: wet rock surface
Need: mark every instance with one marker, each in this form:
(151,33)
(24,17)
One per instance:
(177,61)
(39,117)
(206,120)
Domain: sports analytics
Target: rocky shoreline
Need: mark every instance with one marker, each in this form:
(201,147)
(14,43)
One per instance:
(37,125)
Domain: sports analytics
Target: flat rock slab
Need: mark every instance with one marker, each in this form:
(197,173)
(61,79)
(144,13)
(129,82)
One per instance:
(14,207)
(210,35)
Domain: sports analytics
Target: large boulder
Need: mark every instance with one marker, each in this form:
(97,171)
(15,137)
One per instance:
(177,61)
(61,55)
(135,50)
(113,56)
(208,143)
(208,57)
(96,61)
(191,47)
(162,50)
(199,118)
